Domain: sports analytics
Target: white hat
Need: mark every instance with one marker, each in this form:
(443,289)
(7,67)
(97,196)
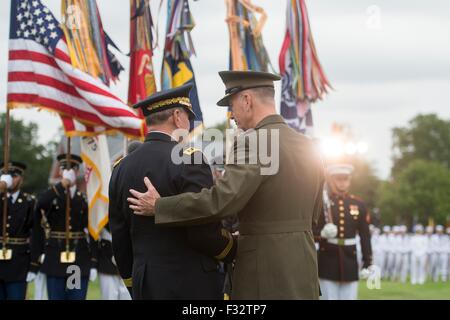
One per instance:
(429,229)
(403,228)
(439,228)
(386,229)
(396,228)
(344,169)
(418,227)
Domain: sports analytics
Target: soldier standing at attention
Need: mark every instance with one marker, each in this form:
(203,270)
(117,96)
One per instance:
(277,202)
(60,254)
(419,247)
(338,265)
(17,259)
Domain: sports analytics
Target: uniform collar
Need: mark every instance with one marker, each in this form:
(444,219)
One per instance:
(159,135)
(272,119)
(15,195)
(73,189)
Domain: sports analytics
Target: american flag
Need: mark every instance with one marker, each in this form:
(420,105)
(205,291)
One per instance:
(40,74)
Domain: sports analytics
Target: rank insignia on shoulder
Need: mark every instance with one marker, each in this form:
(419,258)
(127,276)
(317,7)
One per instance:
(190,151)
(117,162)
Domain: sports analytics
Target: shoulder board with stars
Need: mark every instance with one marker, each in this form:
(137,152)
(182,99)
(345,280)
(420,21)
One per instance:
(190,151)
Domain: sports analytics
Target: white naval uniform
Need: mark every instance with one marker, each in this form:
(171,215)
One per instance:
(383,252)
(419,247)
(441,242)
(377,251)
(405,257)
(390,256)
(111,285)
(397,253)
(431,255)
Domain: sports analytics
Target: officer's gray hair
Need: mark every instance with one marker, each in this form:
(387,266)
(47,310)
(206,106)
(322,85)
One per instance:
(160,117)
(264,93)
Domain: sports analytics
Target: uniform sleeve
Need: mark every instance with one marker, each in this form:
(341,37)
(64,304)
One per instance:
(120,230)
(364,234)
(228,197)
(210,239)
(37,239)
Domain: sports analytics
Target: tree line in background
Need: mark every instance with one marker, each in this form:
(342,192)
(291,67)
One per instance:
(418,189)
(24,147)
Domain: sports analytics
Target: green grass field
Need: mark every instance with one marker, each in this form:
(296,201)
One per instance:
(388,291)
(405,291)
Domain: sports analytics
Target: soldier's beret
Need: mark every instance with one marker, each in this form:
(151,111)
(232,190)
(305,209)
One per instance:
(168,99)
(237,81)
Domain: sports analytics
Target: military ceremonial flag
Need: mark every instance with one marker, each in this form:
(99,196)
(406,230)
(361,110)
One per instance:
(177,69)
(41,74)
(142,78)
(94,151)
(303,79)
(247,50)
(88,46)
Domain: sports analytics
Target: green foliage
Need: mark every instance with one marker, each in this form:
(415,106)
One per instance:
(420,191)
(419,187)
(427,137)
(25,148)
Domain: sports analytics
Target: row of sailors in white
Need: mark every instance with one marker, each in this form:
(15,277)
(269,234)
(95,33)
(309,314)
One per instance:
(421,255)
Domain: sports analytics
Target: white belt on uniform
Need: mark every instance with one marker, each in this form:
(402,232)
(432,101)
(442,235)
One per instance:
(343,242)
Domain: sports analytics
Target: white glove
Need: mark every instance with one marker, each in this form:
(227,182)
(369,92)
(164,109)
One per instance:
(42,258)
(31,276)
(365,273)
(93,274)
(7,179)
(329,231)
(69,175)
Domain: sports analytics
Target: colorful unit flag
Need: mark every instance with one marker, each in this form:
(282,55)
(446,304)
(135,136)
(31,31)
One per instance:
(142,78)
(41,74)
(177,69)
(303,79)
(247,50)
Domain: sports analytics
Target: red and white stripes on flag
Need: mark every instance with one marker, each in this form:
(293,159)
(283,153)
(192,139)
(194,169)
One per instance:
(38,78)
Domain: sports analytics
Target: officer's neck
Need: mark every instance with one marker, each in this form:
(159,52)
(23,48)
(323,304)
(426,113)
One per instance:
(162,129)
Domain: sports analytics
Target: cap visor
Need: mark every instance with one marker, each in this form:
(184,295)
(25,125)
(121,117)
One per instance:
(224,102)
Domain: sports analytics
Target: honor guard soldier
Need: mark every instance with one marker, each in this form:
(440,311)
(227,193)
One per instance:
(338,266)
(17,258)
(66,252)
(166,263)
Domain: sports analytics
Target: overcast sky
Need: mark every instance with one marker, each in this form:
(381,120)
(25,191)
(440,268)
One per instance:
(387,61)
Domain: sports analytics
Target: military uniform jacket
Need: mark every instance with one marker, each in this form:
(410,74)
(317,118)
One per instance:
(164,262)
(276,257)
(51,207)
(338,262)
(19,228)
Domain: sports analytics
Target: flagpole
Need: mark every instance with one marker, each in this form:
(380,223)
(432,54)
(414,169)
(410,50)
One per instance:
(125,146)
(68,160)
(5,169)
